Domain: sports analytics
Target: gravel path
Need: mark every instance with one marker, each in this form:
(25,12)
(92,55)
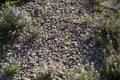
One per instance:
(63,42)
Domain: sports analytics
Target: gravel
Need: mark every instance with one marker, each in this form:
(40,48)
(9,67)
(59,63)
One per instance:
(56,19)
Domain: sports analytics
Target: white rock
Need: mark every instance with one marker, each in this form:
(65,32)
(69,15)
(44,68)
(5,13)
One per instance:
(24,78)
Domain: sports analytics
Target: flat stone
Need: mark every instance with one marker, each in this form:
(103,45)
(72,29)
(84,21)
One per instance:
(24,78)
(114,4)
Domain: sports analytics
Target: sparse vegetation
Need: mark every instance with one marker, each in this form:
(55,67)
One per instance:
(111,31)
(72,21)
(118,12)
(7,3)
(47,75)
(10,22)
(98,41)
(112,35)
(67,36)
(108,48)
(83,73)
(97,1)
(65,48)
(87,19)
(112,68)
(13,19)
(36,32)
(99,8)
(11,68)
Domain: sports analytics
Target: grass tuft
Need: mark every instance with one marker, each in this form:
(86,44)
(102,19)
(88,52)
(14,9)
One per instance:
(11,68)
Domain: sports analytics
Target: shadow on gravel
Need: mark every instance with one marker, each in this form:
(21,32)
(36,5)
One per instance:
(25,1)
(5,37)
(5,77)
(97,52)
(91,53)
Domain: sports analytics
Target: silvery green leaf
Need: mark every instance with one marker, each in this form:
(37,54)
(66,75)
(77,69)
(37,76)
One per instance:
(114,4)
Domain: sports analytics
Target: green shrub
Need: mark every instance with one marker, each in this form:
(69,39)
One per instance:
(118,12)
(112,36)
(112,68)
(99,8)
(7,3)
(108,48)
(112,47)
(47,75)
(87,19)
(36,32)
(11,68)
(12,18)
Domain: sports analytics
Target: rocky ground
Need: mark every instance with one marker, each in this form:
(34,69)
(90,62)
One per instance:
(64,43)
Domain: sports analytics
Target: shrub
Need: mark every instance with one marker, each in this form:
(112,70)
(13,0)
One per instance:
(47,75)
(111,31)
(112,68)
(11,68)
(118,12)
(83,73)
(12,18)
(87,19)
(108,48)
(99,8)
(36,32)
(113,35)
(7,3)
